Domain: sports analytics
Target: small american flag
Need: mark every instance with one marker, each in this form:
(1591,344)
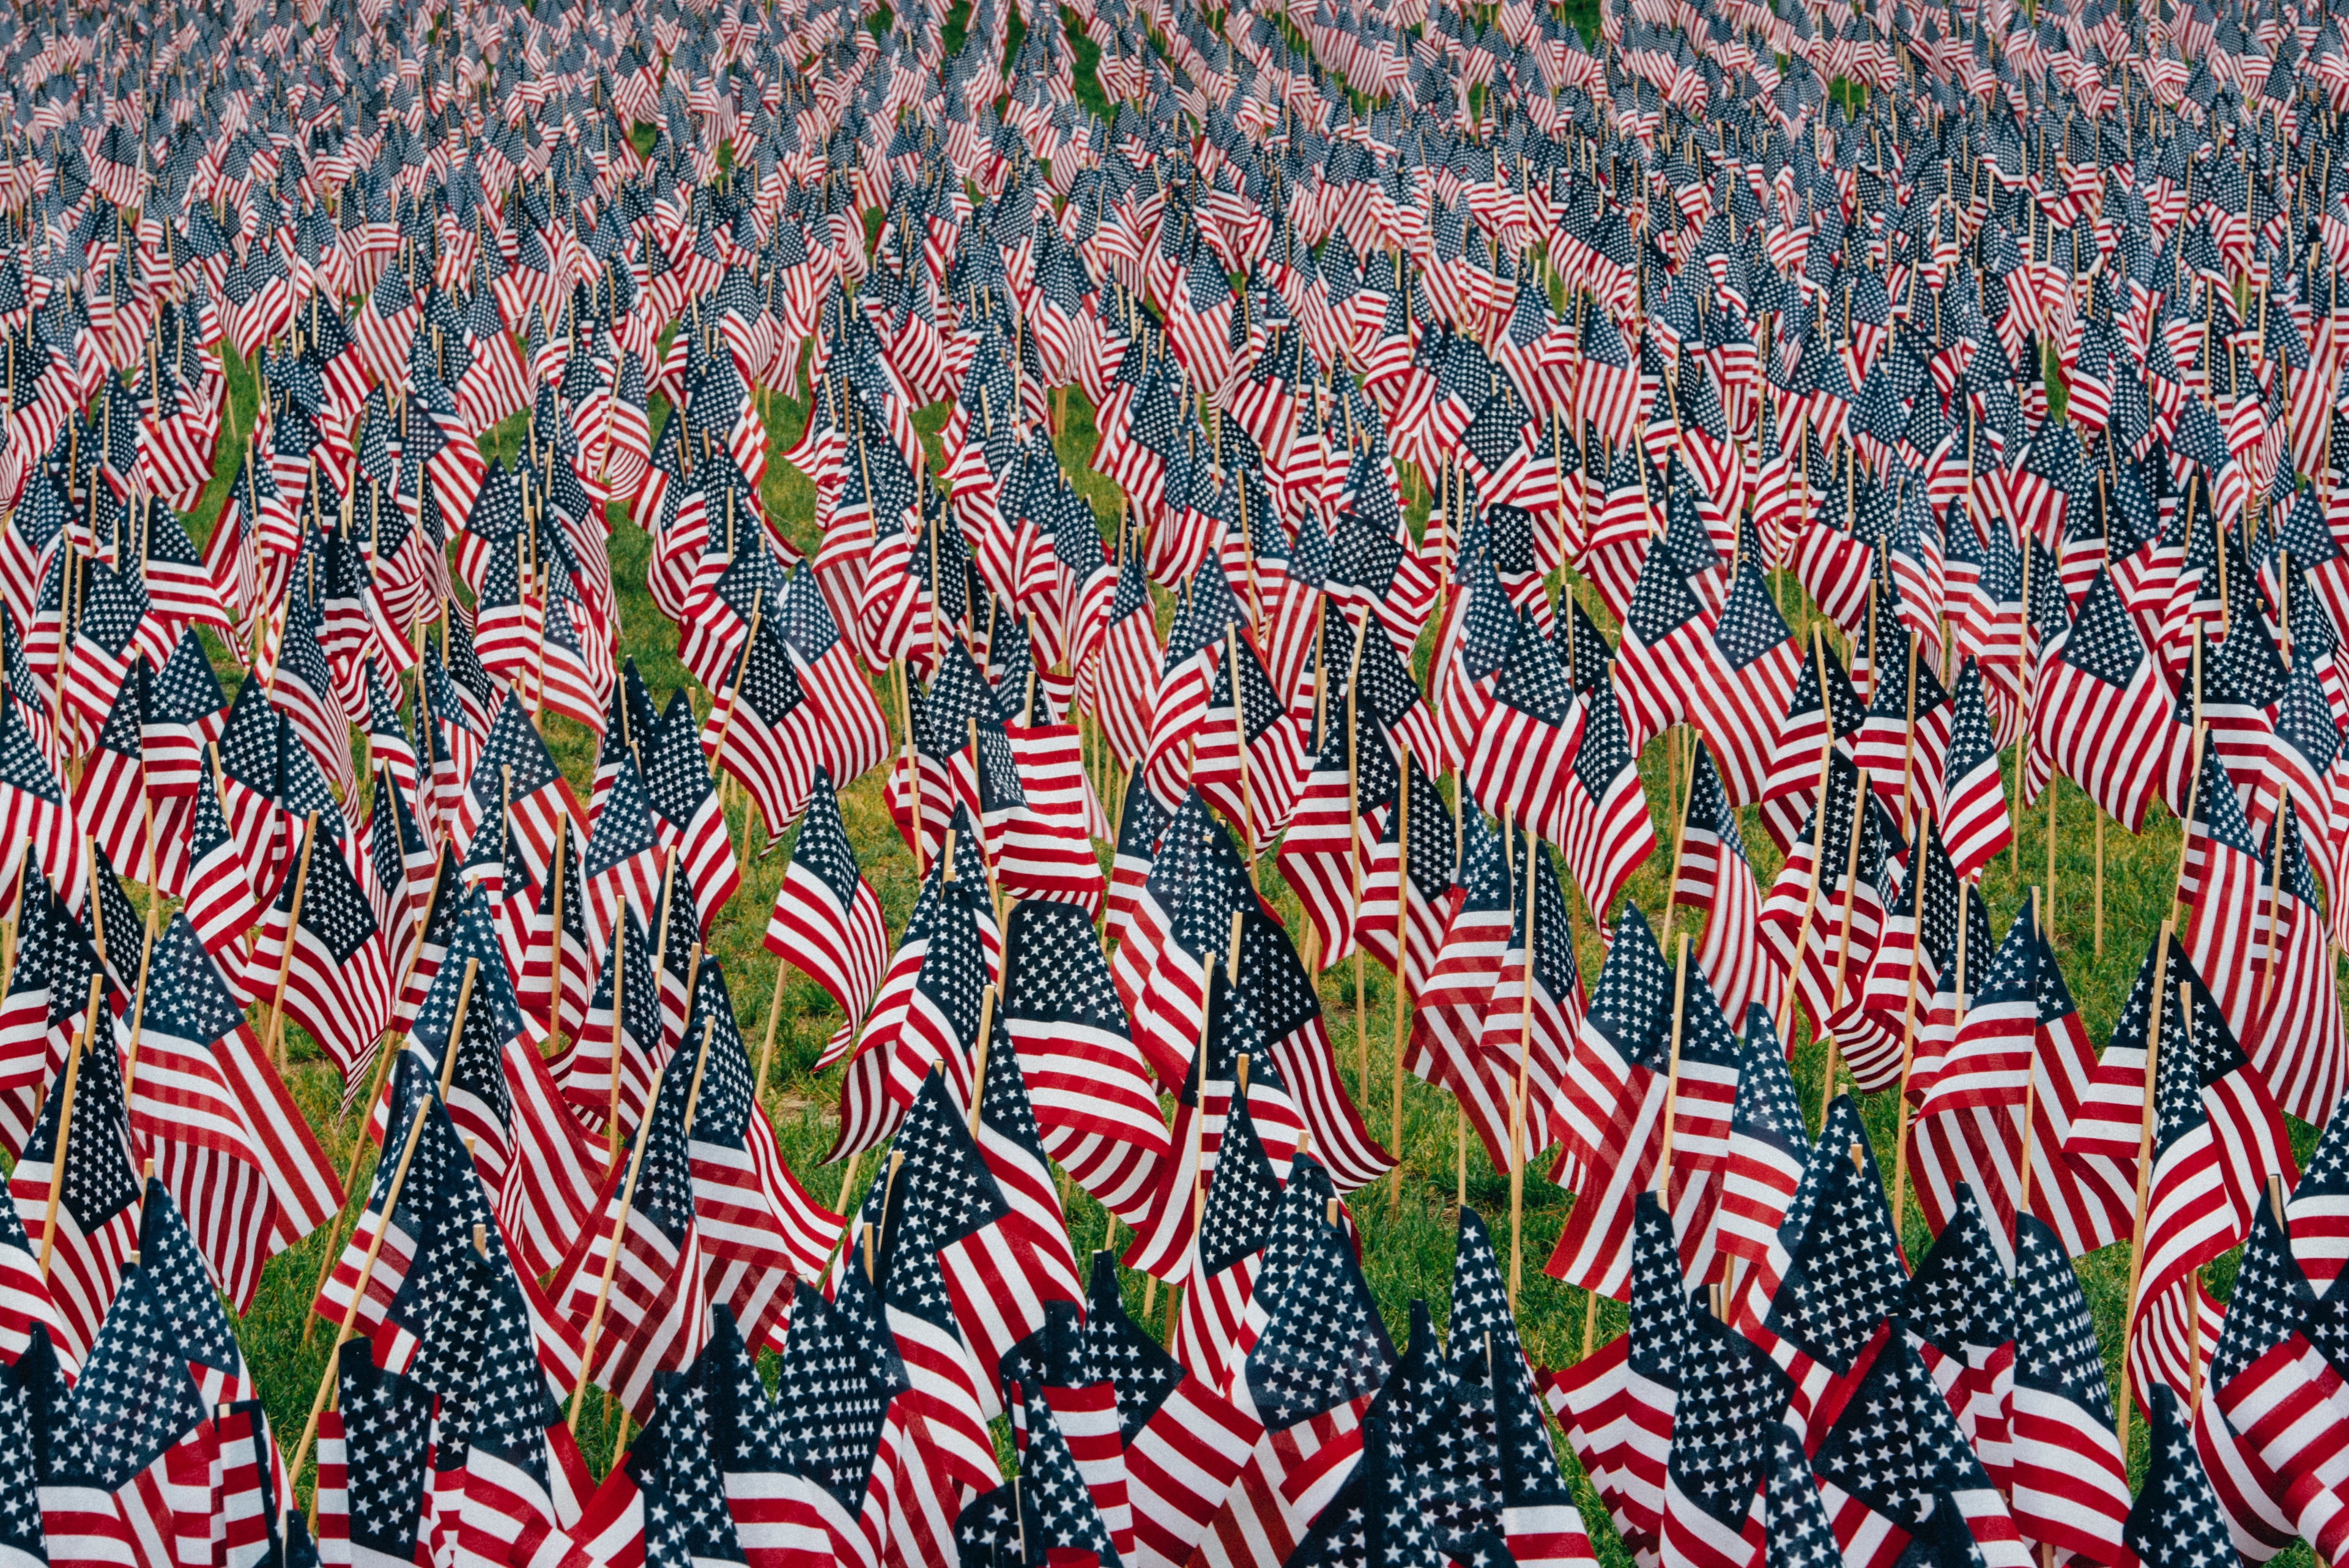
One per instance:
(624,862)
(827,919)
(97,1215)
(1896,1468)
(2177,1520)
(837,1396)
(230,1144)
(146,1424)
(2099,712)
(687,817)
(338,974)
(1959,1316)
(2070,1480)
(1526,749)
(1731,1394)
(938,1309)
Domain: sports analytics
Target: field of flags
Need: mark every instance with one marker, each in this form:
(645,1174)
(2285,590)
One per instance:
(1247,496)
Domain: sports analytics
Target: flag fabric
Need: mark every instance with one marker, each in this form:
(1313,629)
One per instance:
(332,954)
(95,1227)
(2070,1480)
(1716,880)
(1183,1442)
(228,1142)
(826,920)
(2276,1388)
(146,1435)
(1959,1319)
(2101,713)
(1096,1106)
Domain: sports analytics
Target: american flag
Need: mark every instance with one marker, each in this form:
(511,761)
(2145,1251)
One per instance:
(2099,712)
(1052,1368)
(711,1478)
(1732,1394)
(106,623)
(2216,1138)
(1333,832)
(623,1022)
(1958,1317)
(1663,661)
(34,809)
(1755,664)
(765,722)
(557,971)
(1404,888)
(372,1465)
(1184,682)
(940,1272)
(373,1479)
(2297,1041)
(1184,1443)
(2022,1037)
(96,1224)
(624,860)
(2225,896)
(190,1303)
(538,1163)
(228,1142)
(182,712)
(438,1174)
(840,1379)
(826,920)
(536,799)
(2270,1371)
(2176,1520)
(1096,1105)
(1769,1148)
(1896,1469)
(1449,1019)
(1832,871)
(2070,1480)
(1278,1019)
(1182,914)
(759,1229)
(1974,822)
(145,1423)
(523,1477)
(1905,739)
(110,797)
(1717,879)
(1257,789)
(25,1310)
(870,1105)
(2306,742)
(334,959)
(1824,713)
(1322,1357)
(1619,1412)
(1526,748)
(1604,829)
(41,987)
(1232,1220)
(1835,1273)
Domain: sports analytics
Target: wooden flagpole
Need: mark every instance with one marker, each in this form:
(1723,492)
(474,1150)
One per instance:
(65,1125)
(1518,1100)
(293,925)
(2145,1157)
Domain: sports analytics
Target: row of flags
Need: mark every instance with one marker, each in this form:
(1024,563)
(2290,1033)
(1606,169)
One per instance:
(1994,420)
